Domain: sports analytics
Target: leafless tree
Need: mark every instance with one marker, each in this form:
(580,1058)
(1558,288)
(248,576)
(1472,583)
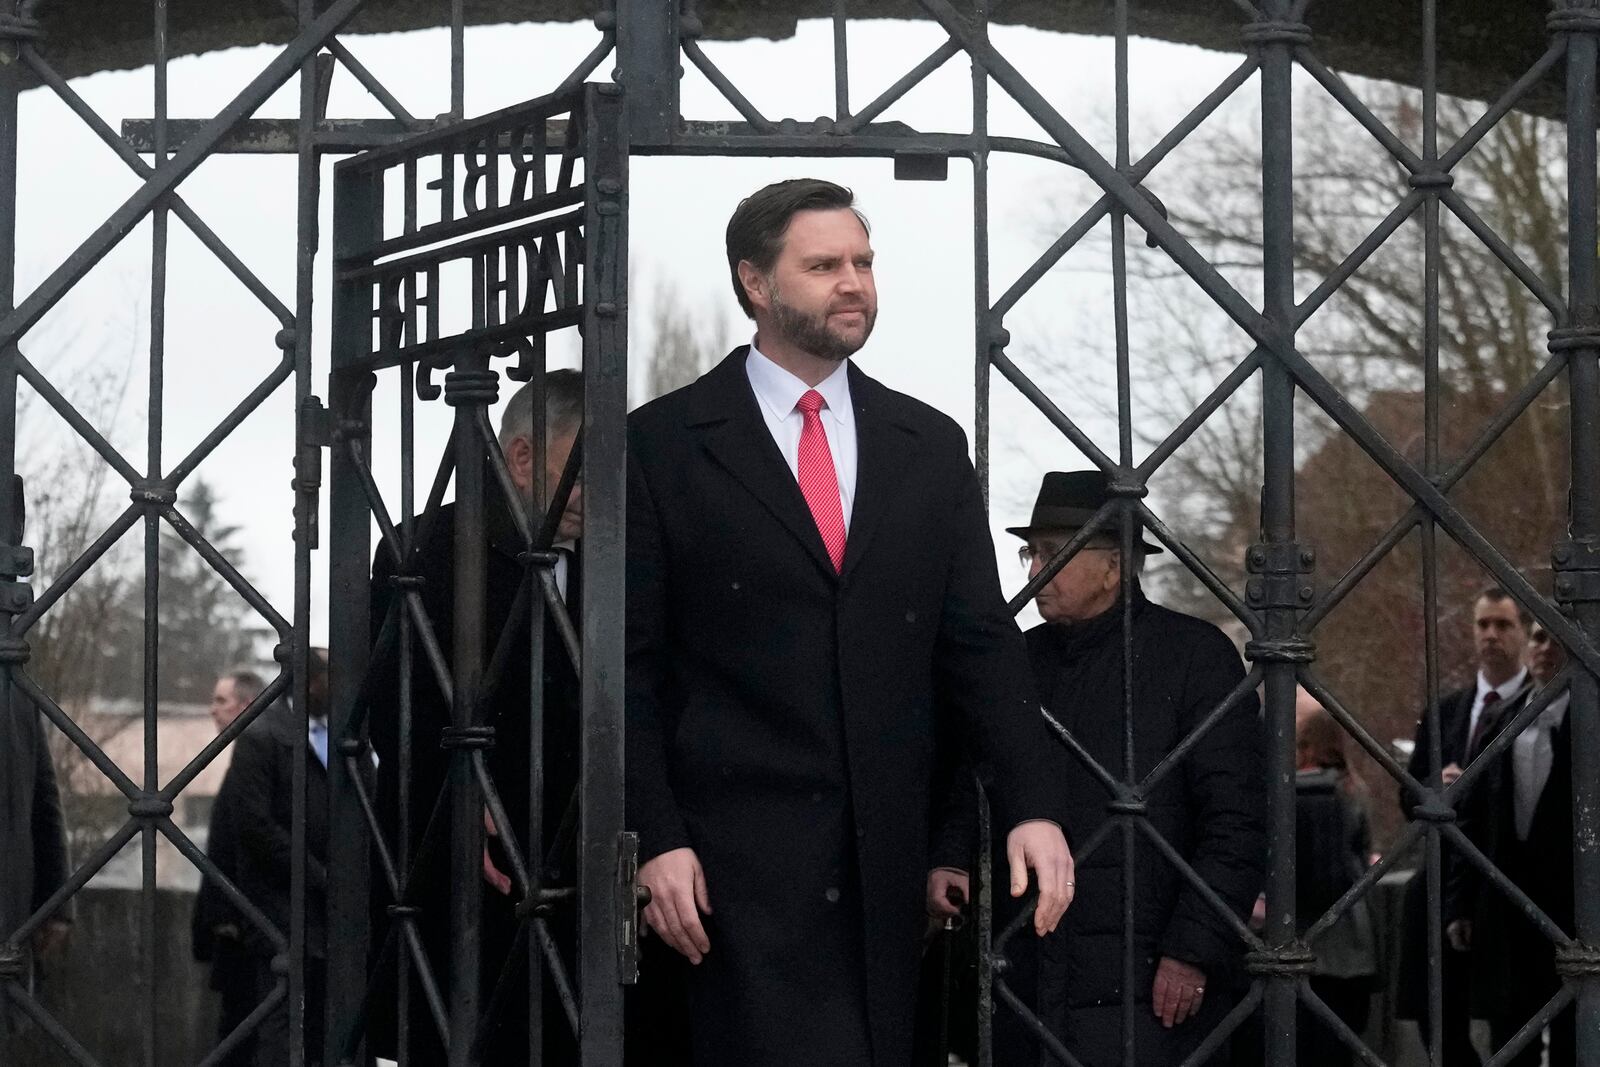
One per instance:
(1369,341)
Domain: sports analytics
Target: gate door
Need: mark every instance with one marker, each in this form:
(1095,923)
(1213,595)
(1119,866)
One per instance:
(457,253)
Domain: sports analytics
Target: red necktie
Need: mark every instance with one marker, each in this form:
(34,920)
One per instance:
(819,483)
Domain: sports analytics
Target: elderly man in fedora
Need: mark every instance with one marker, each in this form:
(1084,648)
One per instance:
(1207,807)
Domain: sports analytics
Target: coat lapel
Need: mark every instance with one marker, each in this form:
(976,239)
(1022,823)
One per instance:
(731,429)
(885,445)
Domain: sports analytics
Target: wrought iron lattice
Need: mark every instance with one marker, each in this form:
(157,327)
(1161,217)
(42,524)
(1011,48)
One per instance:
(542,251)
(1280,607)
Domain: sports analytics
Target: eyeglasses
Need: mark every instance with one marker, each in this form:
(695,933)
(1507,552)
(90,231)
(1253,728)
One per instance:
(1045,551)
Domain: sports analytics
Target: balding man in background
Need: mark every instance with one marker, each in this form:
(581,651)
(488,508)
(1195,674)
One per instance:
(507,703)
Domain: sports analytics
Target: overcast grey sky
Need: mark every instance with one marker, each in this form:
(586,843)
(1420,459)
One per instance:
(219,339)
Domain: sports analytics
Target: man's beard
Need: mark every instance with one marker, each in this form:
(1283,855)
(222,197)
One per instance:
(810,333)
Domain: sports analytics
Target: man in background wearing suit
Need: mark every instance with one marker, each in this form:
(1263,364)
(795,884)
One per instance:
(216,924)
(809,570)
(1468,720)
(1520,814)
(511,583)
(257,800)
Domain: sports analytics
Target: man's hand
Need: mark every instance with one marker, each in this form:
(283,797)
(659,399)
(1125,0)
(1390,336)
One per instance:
(1449,773)
(498,879)
(1039,844)
(677,899)
(48,939)
(1459,934)
(1177,991)
(948,889)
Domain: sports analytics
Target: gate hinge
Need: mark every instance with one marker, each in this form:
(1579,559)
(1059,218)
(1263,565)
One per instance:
(1282,575)
(1577,567)
(313,433)
(629,899)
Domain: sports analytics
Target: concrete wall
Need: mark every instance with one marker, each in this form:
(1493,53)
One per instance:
(98,987)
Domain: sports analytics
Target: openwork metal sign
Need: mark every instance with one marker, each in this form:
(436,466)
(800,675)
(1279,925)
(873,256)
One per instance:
(459,245)
(514,221)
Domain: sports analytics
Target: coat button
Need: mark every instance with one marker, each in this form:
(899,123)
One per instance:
(911,616)
(735,587)
(832,894)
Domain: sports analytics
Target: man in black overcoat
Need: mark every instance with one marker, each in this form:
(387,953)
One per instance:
(809,571)
(1469,719)
(257,800)
(511,584)
(34,860)
(1186,957)
(1520,815)
(215,925)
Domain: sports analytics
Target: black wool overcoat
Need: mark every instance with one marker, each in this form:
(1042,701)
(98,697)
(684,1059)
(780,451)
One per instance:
(781,716)
(1208,808)
(506,701)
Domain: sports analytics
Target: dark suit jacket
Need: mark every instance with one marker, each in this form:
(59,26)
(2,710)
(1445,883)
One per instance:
(1455,723)
(257,799)
(1513,963)
(781,716)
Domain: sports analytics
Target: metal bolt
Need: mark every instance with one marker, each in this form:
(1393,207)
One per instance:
(1306,593)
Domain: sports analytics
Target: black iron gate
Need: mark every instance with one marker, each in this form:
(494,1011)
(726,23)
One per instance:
(385,325)
(531,203)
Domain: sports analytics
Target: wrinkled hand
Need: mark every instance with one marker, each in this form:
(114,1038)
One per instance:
(496,878)
(1177,992)
(1449,773)
(948,890)
(677,899)
(48,939)
(1039,844)
(1459,933)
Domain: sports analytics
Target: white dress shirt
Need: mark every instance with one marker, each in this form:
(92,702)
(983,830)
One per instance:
(777,392)
(1507,690)
(563,549)
(1530,763)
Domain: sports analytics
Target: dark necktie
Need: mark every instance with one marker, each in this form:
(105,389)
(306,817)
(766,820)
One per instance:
(1488,719)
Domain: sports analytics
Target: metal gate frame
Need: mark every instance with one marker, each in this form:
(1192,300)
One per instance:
(541,258)
(649,39)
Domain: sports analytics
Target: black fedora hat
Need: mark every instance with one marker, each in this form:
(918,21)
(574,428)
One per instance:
(1067,501)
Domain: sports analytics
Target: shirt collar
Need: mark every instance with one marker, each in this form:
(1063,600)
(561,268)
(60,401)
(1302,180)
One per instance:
(1506,690)
(780,390)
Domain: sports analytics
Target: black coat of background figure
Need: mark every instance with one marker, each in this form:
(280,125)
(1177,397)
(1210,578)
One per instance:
(216,927)
(1411,1001)
(33,842)
(1333,839)
(257,800)
(1209,808)
(1513,962)
(506,709)
(781,716)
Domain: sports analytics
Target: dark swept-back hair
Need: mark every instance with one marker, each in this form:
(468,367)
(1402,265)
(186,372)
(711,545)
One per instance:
(1495,594)
(755,232)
